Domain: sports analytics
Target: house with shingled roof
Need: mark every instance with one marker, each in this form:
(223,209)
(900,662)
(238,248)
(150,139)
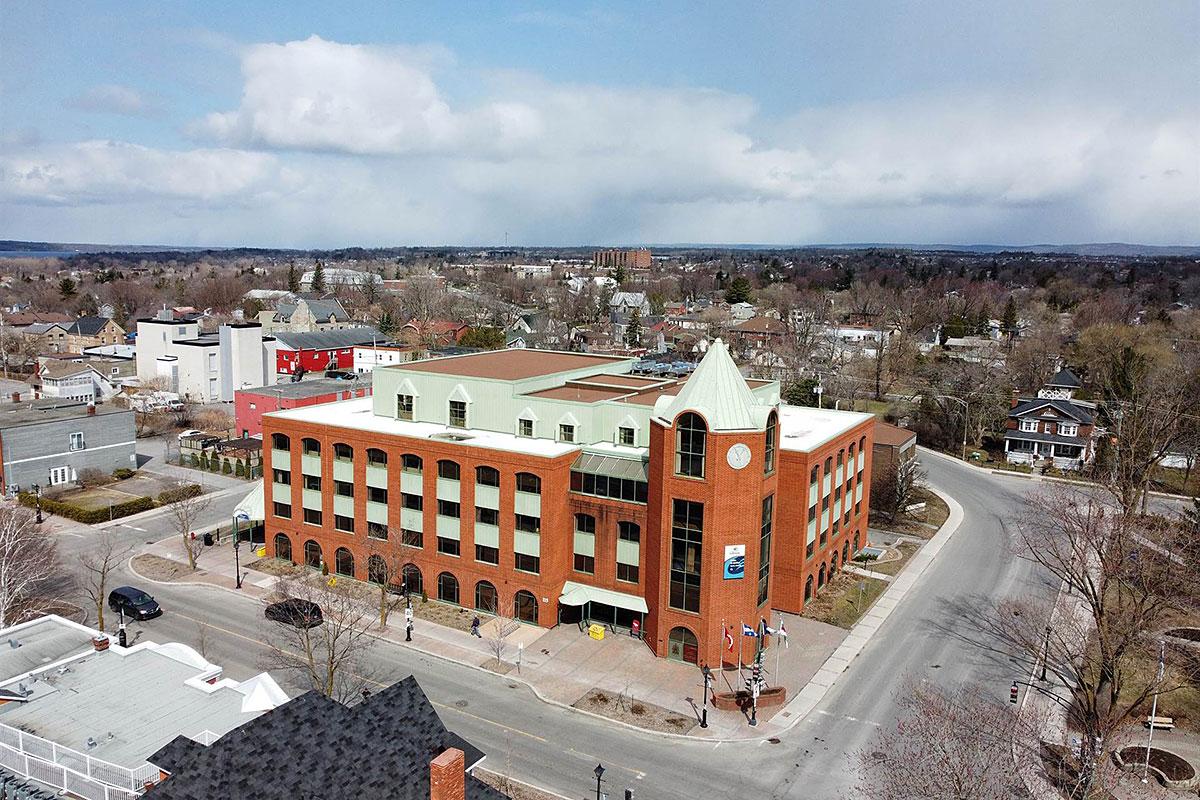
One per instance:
(1053,428)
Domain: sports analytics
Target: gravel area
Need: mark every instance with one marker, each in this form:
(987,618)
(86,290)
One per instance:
(157,568)
(635,712)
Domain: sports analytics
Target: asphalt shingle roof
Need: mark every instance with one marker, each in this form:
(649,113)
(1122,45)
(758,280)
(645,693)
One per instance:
(312,746)
(1066,379)
(1065,407)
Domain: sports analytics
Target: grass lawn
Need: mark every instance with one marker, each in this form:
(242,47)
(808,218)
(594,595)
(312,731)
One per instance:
(840,603)
(98,497)
(907,549)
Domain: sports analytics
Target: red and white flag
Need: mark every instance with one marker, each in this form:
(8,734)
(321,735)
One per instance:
(728,640)
(783,633)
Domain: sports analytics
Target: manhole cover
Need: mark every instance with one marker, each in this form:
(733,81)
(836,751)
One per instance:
(879,754)
(460,703)
(773,740)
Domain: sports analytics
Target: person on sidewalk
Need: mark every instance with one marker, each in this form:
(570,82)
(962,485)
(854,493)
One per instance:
(475,626)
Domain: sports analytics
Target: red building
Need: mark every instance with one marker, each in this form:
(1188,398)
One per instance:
(562,487)
(317,351)
(249,405)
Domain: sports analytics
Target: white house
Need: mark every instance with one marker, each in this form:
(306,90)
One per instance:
(206,367)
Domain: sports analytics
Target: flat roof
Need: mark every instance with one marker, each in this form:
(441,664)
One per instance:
(580,394)
(631,381)
(510,365)
(805,429)
(51,411)
(313,388)
(359,414)
(35,644)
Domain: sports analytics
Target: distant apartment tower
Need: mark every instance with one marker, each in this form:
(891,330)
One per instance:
(629,259)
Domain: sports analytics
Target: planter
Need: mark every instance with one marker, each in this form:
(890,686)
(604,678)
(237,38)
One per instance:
(1187,634)
(1172,771)
(741,701)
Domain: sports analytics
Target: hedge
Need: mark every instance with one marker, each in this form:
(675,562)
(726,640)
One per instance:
(88,516)
(167,496)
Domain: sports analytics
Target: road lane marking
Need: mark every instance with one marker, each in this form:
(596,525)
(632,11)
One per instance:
(589,758)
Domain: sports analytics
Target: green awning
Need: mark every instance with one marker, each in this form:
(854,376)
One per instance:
(576,594)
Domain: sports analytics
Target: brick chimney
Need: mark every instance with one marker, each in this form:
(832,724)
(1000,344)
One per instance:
(447,776)
(16,397)
(91,409)
(1016,399)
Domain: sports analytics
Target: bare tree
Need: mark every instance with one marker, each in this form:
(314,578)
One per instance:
(500,627)
(385,569)
(330,657)
(98,564)
(893,489)
(184,514)
(28,561)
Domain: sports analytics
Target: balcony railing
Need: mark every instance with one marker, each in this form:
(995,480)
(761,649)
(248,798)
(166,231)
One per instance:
(70,770)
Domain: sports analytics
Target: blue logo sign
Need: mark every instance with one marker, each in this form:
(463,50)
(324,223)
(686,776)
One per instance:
(735,561)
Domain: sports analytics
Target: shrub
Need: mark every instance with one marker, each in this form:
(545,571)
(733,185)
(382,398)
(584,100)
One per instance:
(601,698)
(88,516)
(214,464)
(194,460)
(637,709)
(203,460)
(239,470)
(225,468)
(90,476)
(167,496)
(424,596)
(122,473)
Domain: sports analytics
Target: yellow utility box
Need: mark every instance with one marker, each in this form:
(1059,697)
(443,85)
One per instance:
(596,631)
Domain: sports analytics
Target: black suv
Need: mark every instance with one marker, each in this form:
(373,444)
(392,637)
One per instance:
(134,603)
(296,612)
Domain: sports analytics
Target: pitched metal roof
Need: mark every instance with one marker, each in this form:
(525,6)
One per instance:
(328,340)
(596,464)
(718,392)
(1075,412)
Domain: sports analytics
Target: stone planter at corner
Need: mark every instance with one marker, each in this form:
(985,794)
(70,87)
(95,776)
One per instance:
(1137,766)
(741,701)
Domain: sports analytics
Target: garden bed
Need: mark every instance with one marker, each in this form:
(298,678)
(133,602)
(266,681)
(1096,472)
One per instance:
(635,712)
(157,568)
(892,565)
(839,602)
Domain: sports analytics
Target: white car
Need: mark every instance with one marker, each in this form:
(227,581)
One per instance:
(188,432)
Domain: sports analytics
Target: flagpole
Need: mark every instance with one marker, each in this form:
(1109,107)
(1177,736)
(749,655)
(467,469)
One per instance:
(741,636)
(778,680)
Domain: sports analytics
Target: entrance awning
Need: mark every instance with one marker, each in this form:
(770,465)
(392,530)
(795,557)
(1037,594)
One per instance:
(251,507)
(576,594)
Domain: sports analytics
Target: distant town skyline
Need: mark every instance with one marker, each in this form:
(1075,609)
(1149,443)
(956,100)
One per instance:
(567,124)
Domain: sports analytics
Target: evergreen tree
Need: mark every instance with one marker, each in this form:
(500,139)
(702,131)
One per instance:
(1009,323)
(619,275)
(483,337)
(738,291)
(66,288)
(318,279)
(293,280)
(633,329)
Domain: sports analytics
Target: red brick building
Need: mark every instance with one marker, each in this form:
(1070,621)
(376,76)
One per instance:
(565,488)
(626,259)
(317,351)
(249,405)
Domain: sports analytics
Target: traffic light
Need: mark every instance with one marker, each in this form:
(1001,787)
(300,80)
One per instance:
(1012,694)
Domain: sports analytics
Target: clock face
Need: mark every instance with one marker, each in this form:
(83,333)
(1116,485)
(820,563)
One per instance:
(738,456)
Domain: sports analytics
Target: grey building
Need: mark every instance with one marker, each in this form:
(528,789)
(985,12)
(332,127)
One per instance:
(51,442)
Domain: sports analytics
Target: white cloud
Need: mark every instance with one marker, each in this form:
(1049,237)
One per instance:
(110,98)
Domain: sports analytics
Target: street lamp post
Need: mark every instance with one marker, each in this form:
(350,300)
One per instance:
(599,773)
(37,491)
(1046,653)
(704,702)
(1162,663)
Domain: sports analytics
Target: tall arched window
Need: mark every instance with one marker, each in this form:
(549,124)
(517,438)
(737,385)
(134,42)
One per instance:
(448,470)
(485,597)
(376,457)
(821,577)
(312,554)
(682,646)
(529,483)
(487,476)
(410,578)
(411,463)
(283,547)
(771,439)
(447,588)
(690,437)
(343,562)
(343,452)
(280,441)
(377,571)
(525,607)
(808,589)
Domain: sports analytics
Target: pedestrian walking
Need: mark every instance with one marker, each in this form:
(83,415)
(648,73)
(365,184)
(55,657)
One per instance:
(475,626)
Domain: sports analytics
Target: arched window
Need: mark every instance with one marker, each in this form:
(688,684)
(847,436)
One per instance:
(343,452)
(682,646)
(829,465)
(821,577)
(410,579)
(690,437)
(283,547)
(772,437)
(487,476)
(376,457)
(310,447)
(853,450)
(448,470)
(411,463)
(845,552)
(280,441)
(448,588)
(312,554)
(485,597)
(833,563)
(377,571)
(525,607)
(816,475)
(808,589)
(857,546)
(343,562)
(529,483)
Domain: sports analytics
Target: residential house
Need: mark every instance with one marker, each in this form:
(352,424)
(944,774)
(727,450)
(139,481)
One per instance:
(380,354)
(51,336)
(742,311)
(412,756)
(71,380)
(50,442)
(757,333)
(304,315)
(434,332)
(204,367)
(1052,428)
(974,349)
(627,302)
(81,715)
(340,276)
(892,447)
(21,319)
(93,332)
(318,351)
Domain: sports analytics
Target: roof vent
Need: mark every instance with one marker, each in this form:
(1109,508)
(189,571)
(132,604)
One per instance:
(91,743)
(14,644)
(451,437)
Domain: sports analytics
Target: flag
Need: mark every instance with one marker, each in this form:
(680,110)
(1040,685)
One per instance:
(767,629)
(783,633)
(729,640)
(748,631)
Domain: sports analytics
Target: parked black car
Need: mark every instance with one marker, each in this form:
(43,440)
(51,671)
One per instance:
(134,603)
(296,612)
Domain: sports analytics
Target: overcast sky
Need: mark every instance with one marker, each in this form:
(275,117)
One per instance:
(334,124)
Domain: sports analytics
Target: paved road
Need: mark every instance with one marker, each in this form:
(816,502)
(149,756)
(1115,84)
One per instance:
(557,748)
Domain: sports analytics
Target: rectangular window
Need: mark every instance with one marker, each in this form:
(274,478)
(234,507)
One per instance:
(586,564)
(764,548)
(824,538)
(312,516)
(625,436)
(343,488)
(525,428)
(449,470)
(528,524)
(487,555)
(76,441)
(1068,430)
(411,538)
(625,489)
(1029,425)
(377,530)
(566,433)
(687,535)
(812,513)
(524,563)
(312,482)
(376,494)
(283,510)
(458,414)
(345,524)
(447,547)
(448,508)
(808,550)
(413,502)
(282,476)
(627,572)
(404,406)
(487,516)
